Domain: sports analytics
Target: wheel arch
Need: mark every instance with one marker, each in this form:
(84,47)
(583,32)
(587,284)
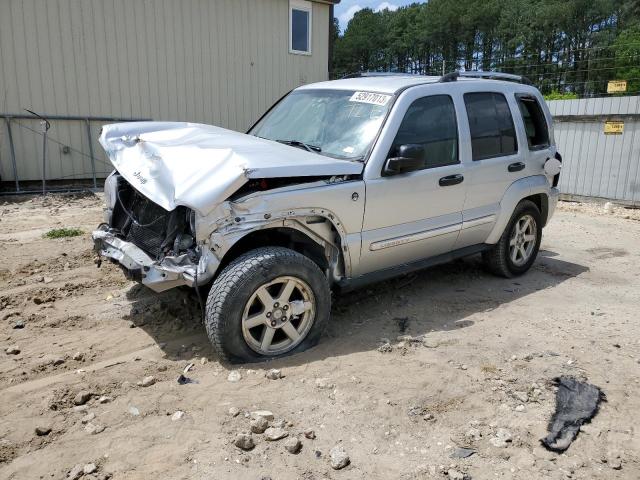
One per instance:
(541,201)
(317,238)
(535,189)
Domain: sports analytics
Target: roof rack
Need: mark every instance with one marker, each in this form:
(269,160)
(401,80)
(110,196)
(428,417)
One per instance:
(377,74)
(453,76)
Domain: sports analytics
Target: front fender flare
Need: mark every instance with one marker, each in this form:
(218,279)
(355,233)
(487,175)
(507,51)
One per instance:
(224,238)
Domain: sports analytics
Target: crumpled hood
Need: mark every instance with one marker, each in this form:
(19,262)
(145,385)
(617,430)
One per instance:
(200,166)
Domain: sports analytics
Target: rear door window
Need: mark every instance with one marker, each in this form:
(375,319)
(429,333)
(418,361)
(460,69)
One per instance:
(492,130)
(535,124)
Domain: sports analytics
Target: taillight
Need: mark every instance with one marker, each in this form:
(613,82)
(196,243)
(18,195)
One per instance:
(556,178)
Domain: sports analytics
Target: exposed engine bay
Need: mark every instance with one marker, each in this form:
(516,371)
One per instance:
(136,219)
(150,244)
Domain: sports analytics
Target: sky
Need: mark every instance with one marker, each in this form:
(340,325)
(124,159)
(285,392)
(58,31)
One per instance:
(346,8)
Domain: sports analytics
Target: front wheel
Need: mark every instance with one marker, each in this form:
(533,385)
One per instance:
(267,303)
(518,246)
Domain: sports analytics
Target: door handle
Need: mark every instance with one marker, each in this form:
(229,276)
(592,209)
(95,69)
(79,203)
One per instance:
(516,167)
(451,180)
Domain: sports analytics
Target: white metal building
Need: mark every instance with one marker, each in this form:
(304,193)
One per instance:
(222,62)
(599,139)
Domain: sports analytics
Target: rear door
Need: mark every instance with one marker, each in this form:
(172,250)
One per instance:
(498,160)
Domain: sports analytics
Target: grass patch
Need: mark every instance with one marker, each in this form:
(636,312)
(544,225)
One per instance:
(489,369)
(63,233)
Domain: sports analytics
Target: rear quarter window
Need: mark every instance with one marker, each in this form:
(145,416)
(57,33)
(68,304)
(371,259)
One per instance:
(535,125)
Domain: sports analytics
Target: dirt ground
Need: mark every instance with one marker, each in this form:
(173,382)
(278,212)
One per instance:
(491,349)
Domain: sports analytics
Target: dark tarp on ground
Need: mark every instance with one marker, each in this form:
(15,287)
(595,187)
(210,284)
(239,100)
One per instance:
(576,403)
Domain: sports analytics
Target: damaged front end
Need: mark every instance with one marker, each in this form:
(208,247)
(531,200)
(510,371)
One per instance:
(169,216)
(152,245)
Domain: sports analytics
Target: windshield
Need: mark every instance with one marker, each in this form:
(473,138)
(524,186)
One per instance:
(336,123)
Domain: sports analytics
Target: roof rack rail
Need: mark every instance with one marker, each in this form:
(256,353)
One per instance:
(453,76)
(449,77)
(377,74)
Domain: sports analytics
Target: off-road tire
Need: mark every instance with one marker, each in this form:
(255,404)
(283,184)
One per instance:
(497,258)
(235,285)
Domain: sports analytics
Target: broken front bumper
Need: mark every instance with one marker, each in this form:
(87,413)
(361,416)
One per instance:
(158,275)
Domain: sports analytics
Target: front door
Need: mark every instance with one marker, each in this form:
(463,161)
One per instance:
(418,214)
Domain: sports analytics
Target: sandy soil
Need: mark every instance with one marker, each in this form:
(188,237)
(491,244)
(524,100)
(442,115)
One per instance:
(492,348)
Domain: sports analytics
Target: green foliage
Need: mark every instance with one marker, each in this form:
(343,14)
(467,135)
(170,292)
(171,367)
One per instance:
(556,95)
(63,233)
(627,52)
(566,46)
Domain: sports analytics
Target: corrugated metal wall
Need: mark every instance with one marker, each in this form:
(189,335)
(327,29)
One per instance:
(596,164)
(222,62)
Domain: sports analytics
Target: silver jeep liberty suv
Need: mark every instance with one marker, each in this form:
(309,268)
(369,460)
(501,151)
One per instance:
(339,184)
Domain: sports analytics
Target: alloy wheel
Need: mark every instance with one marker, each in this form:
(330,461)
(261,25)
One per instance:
(523,240)
(278,315)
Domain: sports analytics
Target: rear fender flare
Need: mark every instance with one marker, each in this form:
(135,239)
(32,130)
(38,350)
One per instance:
(518,190)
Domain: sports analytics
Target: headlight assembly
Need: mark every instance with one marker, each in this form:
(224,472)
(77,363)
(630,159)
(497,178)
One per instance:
(110,186)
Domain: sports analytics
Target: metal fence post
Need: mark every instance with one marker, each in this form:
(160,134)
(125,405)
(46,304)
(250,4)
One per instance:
(93,161)
(45,128)
(13,154)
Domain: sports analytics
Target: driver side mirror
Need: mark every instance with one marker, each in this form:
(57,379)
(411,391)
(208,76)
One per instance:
(408,158)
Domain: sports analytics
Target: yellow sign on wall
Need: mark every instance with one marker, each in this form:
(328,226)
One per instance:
(613,128)
(616,86)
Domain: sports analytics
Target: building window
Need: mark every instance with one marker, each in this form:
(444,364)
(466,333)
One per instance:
(300,27)
(491,125)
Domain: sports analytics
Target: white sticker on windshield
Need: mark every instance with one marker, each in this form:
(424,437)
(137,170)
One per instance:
(370,97)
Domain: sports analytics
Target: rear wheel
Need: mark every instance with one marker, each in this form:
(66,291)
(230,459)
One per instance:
(267,303)
(518,246)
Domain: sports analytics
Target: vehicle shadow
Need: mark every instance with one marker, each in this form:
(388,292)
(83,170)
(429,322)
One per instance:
(419,304)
